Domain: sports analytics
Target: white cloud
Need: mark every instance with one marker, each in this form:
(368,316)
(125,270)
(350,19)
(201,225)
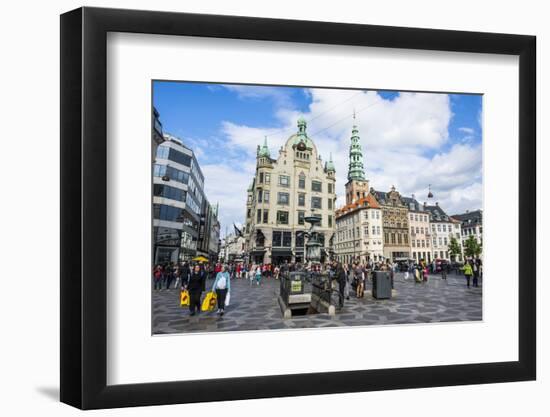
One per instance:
(405,143)
(226,184)
(281,96)
(467,130)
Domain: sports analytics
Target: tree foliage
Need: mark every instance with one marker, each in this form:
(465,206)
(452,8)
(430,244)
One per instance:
(454,247)
(471,247)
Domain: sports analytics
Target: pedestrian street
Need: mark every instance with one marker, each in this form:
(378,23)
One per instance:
(255,307)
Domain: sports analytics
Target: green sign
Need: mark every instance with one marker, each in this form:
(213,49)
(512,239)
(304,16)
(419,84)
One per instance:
(296,286)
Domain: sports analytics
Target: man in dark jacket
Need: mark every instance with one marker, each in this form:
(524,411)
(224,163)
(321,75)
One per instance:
(342,278)
(195,284)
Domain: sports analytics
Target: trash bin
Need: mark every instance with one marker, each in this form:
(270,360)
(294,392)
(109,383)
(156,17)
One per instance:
(381,285)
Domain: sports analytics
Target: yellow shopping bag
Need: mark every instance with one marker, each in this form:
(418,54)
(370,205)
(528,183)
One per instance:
(184,298)
(209,302)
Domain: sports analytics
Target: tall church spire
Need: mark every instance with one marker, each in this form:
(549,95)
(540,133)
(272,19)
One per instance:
(356,171)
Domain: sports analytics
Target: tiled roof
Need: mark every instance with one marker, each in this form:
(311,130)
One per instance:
(412,204)
(380,196)
(368,201)
(470,217)
(437,215)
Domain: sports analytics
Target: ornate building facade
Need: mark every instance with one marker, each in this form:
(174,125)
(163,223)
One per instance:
(284,191)
(395,221)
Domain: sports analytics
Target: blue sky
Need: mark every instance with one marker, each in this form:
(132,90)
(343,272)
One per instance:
(409,140)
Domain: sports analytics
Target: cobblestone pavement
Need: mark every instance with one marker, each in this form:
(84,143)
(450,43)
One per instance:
(256,308)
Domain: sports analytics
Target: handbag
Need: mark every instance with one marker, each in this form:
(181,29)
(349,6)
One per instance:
(209,302)
(184,298)
(227,298)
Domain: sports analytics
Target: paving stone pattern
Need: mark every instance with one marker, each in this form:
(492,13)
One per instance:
(255,307)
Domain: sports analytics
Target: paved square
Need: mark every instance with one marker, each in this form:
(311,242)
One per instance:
(255,307)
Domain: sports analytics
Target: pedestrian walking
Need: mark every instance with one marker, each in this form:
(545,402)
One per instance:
(222,286)
(341,277)
(195,284)
(157,278)
(177,276)
(468,272)
(475,269)
(360,277)
(258,275)
(169,275)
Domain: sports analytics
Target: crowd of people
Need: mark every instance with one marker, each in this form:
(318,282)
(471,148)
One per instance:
(347,277)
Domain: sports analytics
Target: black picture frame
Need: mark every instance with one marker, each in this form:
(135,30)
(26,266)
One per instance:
(84,207)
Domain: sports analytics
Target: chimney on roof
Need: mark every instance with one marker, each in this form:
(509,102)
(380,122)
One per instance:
(467,211)
(413,196)
(437,204)
(425,204)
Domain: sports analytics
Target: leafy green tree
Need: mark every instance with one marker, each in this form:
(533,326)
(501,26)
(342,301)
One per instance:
(454,248)
(471,247)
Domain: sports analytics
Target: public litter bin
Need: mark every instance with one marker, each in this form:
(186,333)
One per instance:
(381,285)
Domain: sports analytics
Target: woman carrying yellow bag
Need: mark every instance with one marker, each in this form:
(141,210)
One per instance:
(195,284)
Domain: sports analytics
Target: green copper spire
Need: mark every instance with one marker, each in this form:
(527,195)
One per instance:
(329,167)
(302,124)
(356,171)
(264,150)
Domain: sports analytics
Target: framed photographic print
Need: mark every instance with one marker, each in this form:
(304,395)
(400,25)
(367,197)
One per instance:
(301,207)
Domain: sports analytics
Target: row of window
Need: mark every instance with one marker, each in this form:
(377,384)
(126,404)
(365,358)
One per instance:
(470,231)
(375,231)
(166,152)
(419,230)
(419,217)
(283,239)
(170,173)
(420,243)
(173,214)
(442,227)
(262,216)
(161,190)
(355,232)
(374,214)
(394,224)
(284,199)
(192,204)
(284,181)
(396,238)
(351,244)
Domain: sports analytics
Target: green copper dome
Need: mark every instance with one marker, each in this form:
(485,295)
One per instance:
(301,135)
(356,171)
(263,151)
